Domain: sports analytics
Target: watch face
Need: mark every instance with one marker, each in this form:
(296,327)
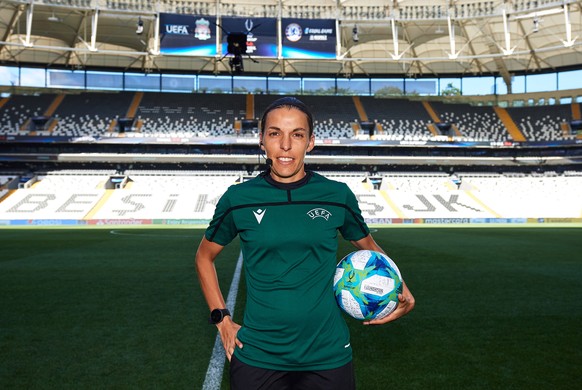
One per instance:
(216,316)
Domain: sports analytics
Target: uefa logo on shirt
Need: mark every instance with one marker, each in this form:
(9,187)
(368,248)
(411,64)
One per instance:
(319,213)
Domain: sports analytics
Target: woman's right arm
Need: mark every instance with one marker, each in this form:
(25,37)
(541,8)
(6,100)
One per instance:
(205,257)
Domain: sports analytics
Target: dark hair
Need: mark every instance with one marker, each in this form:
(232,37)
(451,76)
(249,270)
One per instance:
(288,102)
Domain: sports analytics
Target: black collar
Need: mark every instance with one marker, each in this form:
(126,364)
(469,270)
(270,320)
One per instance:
(287,186)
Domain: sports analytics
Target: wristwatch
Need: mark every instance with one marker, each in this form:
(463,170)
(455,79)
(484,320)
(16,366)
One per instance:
(217,315)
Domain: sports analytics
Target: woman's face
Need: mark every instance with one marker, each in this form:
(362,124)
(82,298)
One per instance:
(286,140)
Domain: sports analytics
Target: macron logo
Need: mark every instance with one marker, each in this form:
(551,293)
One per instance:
(259,214)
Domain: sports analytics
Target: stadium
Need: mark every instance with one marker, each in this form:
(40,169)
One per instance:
(457,125)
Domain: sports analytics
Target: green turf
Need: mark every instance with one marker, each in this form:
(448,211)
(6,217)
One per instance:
(85,308)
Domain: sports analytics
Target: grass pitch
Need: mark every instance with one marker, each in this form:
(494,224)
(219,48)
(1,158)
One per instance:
(121,308)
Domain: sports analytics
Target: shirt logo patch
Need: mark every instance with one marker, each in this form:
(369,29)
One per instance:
(319,213)
(259,214)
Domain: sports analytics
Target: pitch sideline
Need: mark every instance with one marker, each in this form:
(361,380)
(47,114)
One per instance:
(217,360)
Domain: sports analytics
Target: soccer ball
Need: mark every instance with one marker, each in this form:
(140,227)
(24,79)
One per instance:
(366,285)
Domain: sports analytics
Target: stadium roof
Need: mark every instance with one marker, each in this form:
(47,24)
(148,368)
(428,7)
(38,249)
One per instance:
(413,38)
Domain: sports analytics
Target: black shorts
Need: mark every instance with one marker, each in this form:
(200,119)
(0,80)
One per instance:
(246,377)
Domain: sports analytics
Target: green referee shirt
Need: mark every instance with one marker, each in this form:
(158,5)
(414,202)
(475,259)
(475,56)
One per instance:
(289,240)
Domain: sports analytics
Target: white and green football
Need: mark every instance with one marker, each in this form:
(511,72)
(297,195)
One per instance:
(367,284)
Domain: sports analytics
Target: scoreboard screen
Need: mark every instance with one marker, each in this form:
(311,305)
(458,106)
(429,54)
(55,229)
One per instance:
(188,35)
(261,35)
(308,38)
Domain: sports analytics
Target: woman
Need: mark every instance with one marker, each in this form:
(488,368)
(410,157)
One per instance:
(287,218)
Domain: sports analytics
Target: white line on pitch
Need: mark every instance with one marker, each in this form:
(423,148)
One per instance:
(216,365)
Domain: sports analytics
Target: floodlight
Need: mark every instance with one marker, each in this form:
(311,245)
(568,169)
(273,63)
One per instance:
(139,27)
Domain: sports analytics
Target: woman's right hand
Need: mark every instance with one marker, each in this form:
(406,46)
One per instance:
(228,330)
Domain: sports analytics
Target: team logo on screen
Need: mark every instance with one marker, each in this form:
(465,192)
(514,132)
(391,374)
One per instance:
(293,32)
(202,30)
(249,25)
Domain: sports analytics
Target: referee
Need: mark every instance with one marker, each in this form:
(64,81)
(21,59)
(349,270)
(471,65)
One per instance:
(287,218)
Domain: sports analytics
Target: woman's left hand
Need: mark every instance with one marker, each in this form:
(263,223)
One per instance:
(405,304)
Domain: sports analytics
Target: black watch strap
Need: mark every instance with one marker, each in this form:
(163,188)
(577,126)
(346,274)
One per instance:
(217,315)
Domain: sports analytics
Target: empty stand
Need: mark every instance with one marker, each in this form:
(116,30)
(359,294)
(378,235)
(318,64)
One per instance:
(201,115)
(215,115)
(542,123)
(474,122)
(529,196)
(192,195)
(19,109)
(399,118)
(332,115)
(90,114)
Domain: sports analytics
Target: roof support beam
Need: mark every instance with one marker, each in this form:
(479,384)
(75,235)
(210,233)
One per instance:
(29,14)
(94,21)
(156,49)
(569,42)
(12,24)
(419,64)
(478,63)
(533,57)
(72,43)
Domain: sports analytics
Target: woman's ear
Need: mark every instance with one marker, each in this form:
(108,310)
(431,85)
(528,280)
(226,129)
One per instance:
(310,144)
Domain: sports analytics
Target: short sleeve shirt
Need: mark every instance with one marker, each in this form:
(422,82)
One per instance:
(289,241)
